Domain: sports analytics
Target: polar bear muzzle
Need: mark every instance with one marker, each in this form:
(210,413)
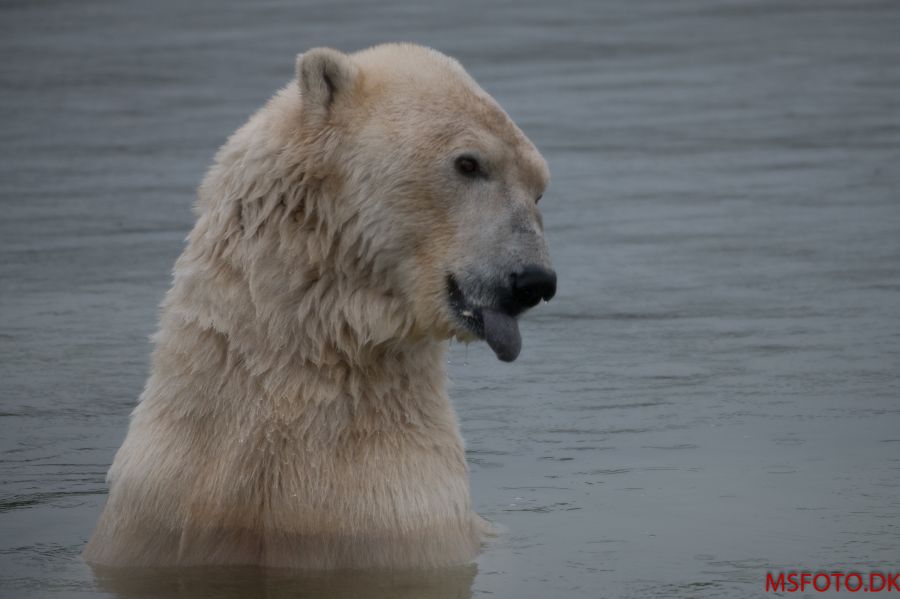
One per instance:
(497,322)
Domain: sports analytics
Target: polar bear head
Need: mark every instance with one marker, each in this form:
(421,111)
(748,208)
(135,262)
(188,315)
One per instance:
(440,184)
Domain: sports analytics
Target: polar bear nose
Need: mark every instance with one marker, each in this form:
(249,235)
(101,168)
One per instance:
(532,284)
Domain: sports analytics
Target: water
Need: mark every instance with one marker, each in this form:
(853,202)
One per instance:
(713,394)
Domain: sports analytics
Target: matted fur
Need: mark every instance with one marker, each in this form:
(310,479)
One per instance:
(296,414)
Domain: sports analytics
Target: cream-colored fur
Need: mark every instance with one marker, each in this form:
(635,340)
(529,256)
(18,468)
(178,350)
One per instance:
(296,414)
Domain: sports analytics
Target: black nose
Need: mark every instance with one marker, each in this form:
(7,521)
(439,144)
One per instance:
(531,285)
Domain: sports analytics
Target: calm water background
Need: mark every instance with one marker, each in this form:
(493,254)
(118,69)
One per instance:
(714,393)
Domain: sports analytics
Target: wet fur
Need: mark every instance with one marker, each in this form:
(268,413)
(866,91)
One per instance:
(296,414)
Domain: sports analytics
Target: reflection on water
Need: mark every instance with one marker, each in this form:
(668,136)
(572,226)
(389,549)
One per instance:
(245,582)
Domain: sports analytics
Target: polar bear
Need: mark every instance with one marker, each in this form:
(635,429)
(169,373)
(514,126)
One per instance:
(296,413)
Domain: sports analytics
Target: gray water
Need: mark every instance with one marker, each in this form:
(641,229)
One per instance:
(713,394)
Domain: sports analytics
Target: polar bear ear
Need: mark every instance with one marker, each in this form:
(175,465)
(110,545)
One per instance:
(323,75)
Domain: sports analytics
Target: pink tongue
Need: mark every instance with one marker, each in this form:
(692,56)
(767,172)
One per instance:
(501,331)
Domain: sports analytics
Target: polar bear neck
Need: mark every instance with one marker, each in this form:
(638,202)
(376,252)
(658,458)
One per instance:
(275,284)
(300,356)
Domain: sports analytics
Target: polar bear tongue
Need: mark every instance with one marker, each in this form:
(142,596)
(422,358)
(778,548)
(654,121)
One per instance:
(501,331)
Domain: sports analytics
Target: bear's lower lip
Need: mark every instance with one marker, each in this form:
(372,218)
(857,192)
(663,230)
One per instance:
(499,329)
(470,316)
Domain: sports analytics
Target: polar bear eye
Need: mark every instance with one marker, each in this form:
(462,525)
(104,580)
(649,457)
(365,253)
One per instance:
(468,166)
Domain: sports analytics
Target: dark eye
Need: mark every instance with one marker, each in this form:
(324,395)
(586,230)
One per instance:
(538,199)
(468,166)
